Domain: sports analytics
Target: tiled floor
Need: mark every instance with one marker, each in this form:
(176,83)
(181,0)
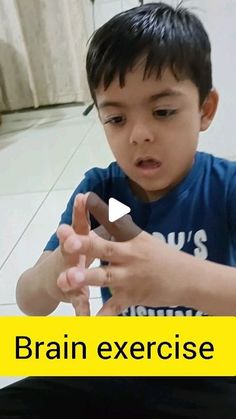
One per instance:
(43,156)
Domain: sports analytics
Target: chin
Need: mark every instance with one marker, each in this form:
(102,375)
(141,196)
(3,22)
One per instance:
(154,187)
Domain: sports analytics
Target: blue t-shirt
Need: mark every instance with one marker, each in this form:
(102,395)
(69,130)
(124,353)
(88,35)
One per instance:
(198,216)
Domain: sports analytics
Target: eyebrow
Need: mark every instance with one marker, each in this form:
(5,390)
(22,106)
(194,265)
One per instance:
(153,98)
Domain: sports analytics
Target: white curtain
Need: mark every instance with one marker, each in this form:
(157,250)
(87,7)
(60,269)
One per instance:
(42,52)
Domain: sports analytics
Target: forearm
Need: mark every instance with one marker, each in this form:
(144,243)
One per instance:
(204,285)
(214,292)
(37,292)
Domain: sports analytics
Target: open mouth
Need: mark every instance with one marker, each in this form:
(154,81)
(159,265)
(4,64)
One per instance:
(147,163)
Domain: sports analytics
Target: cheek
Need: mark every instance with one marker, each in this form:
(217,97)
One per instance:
(187,131)
(116,148)
(117,143)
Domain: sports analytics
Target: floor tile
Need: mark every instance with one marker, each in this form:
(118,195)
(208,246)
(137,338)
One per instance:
(93,152)
(33,160)
(32,243)
(16,212)
(16,122)
(10,310)
(64,309)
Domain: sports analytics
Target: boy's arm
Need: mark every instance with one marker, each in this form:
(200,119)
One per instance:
(212,287)
(37,292)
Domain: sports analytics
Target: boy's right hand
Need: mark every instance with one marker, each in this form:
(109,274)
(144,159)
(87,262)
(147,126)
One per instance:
(80,225)
(77,296)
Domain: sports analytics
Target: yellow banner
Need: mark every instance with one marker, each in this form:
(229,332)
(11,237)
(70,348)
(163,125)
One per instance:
(118,346)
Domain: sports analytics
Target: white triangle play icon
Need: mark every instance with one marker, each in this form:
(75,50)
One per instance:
(116,209)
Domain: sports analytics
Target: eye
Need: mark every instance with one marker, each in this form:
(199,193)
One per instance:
(115,120)
(164,113)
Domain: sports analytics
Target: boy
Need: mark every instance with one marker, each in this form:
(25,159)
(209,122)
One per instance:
(149,72)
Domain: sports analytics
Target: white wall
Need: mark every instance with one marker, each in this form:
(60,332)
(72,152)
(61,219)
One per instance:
(219,18)
(105,9)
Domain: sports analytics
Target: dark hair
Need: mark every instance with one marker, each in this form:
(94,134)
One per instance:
(168,37)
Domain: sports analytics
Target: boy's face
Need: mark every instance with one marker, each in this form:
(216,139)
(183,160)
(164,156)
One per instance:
(152,127)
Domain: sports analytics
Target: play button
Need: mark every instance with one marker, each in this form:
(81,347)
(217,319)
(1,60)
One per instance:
(113,217)
(117,210)
(110,204)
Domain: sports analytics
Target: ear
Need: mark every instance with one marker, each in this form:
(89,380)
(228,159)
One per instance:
(208,109)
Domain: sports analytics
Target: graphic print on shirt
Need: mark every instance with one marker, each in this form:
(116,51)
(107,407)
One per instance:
(178,240)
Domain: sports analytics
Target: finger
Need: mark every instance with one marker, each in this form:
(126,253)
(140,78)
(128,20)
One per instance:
(87,261)
(79,297)
(63,232)
(123,229)
(112,307)
(70,241)
(103,276)
(80,221)
(81,305)
(95,247)
(101,232)
(82,261)
(70,279)
(72,244)
(63,283)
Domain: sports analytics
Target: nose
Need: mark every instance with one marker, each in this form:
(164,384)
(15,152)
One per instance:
(141,133)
